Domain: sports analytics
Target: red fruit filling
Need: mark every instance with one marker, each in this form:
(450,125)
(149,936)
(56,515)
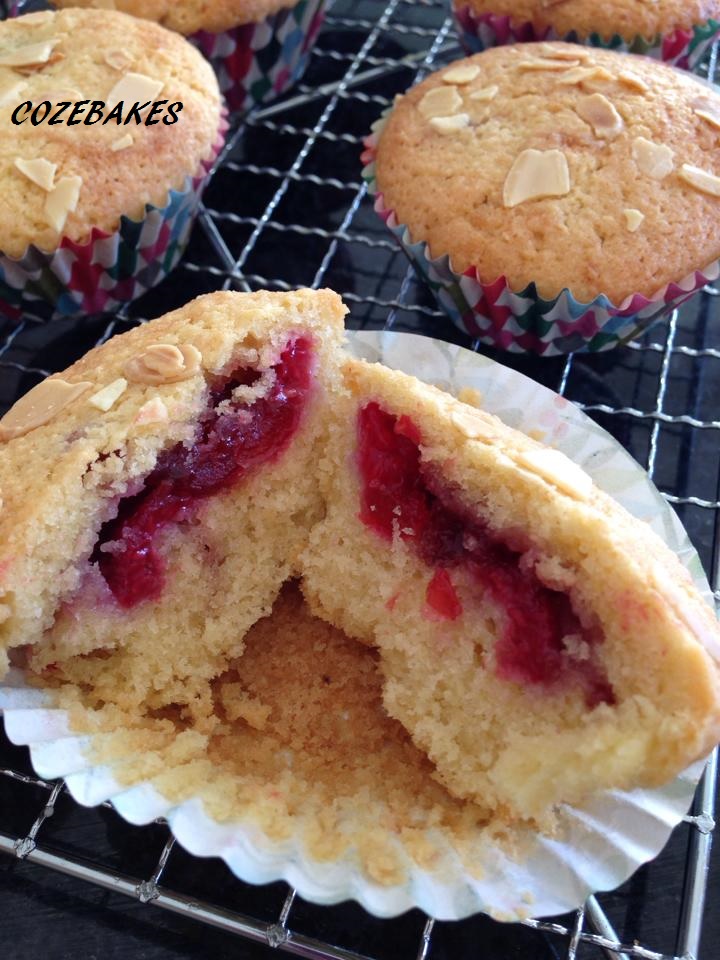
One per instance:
(398,494)
(230,444)
(441,596)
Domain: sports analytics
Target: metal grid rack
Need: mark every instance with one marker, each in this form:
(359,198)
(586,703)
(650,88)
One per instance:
(287,207)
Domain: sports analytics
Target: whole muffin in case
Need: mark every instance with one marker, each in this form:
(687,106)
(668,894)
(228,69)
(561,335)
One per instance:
(98,210)
(555,197)
(680,32)
(258,48)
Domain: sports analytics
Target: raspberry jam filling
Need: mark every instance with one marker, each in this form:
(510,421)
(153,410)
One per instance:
(398,494)
(231,442)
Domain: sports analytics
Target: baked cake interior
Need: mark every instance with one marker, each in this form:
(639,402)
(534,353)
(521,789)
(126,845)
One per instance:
(531,643)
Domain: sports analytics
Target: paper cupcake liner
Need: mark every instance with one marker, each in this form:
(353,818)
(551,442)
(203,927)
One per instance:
(523,321)
(108,269)
(596,846)
(258,61)
(686,48)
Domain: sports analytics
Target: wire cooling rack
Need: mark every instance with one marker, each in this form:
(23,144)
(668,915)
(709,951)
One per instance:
(286,208)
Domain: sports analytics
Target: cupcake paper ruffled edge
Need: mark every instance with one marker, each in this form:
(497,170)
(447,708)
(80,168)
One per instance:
(683,47)
(108,269)
(248,77)
(256,61)
(598,846)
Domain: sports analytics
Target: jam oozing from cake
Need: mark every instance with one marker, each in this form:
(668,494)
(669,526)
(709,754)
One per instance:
(398,495)
(441,596)
(233,440)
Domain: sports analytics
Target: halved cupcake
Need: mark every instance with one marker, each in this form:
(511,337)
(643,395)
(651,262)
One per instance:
(157,495)
(537,643)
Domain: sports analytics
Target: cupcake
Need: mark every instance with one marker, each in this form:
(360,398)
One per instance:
(680,32)
(259,48)
(110,126)
(531,642)
(551,195)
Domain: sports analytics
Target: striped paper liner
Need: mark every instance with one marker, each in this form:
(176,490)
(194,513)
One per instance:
(683,47)
(108,269)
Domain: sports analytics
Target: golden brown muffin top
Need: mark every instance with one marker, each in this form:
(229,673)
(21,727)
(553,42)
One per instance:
(638,18)
(75,55)
(561,165)
(189,16)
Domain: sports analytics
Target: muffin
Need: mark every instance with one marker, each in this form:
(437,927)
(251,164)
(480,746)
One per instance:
(258,48)
(555,198)
(522,617)
(160,492)
(98,197)
(168,447)
(680,32)
(297,771)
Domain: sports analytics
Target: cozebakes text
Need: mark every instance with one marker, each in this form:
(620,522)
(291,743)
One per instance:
(97,111)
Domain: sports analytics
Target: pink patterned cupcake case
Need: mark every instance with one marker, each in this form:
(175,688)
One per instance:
(521,321)
(256,62)
(109,269)
(686,48)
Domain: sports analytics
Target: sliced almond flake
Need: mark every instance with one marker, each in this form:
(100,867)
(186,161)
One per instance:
(712,118)
(602,116)
(62,200)
(154,411)
(163,363)
(458,121)
(577,76)
(484,93)
(39,18)
(653,159)
(556,468)
(40,171)
(540,63)
(440,102)
(633,219)
(556,53)
(55,92)
(633,81)
(117,59)
(10,93)
(28,55)
(599,79)
(106,398)
(122,143)
(701,180)
(134,88)
(464,73)
(40,406)
(473,424)
(536,174)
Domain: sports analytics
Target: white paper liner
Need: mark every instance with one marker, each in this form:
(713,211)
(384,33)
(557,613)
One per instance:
(597,847)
